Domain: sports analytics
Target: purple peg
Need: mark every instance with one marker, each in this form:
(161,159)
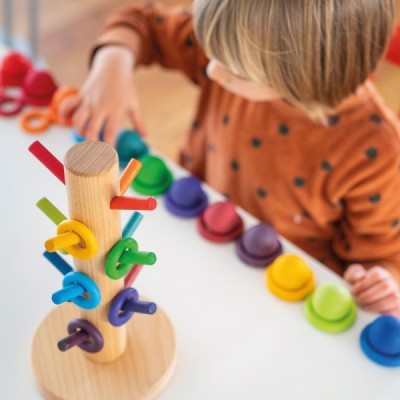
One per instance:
(125,304)
(83,334)
(259,245)
(186,198)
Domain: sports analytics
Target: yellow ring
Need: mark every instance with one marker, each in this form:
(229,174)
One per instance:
(88,239)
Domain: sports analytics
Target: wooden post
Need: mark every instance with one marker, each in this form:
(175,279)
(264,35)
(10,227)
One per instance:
(138,358)
(92,180)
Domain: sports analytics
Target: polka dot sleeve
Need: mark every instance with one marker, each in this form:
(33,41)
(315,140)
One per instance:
(157,34)
(369,231)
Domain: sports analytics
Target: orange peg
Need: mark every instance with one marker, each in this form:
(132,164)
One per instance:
(129,174)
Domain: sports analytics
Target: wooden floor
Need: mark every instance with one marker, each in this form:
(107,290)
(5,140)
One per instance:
(67,29)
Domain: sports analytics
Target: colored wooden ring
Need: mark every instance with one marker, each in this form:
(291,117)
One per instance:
(35,121)
(114,268)
(94,342)
(89,241)
(16,103)
(62,93)
(116,315)
(91,296)
(125,304)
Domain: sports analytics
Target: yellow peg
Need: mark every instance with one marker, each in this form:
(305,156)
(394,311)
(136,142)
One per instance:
(62,241)
(75,238)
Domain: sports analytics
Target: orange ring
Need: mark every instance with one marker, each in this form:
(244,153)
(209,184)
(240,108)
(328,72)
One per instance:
(62,93)
(44,121)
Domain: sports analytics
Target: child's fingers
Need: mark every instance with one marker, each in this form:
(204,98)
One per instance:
(111,128)
(378,291)
(136,116)
(372,276)
(385,305)
(93,127)
(68,106)
(81,119)
(354,273)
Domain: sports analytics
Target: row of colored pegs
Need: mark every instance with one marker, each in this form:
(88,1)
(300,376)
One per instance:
(329,307)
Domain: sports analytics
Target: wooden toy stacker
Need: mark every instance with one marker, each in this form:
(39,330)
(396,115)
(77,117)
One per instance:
(136,359)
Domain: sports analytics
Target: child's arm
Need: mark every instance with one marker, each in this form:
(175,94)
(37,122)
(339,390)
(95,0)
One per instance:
(107,94)
(140,34)
(368,236)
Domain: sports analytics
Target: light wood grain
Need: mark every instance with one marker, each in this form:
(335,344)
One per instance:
(141,372)
(92,180)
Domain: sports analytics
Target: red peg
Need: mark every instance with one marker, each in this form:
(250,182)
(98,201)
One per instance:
(133,203)
(38,88)
(132,275)
(48,160)
(220,222)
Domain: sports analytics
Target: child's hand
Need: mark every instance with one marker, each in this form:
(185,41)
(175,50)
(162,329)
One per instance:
(107,94)
(374,289)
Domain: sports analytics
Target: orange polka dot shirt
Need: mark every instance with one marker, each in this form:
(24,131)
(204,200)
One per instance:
(332,190)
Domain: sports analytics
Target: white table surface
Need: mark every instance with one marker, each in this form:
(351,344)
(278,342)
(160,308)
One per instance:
(235,340)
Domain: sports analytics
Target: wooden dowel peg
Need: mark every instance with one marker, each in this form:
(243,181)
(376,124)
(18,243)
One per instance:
(123,255)
(74,339)
(62,241)
(80,289)
(125,304)
(74,237)
(48,160)
(138,257)
(132,275)
(67,293)
(133,203)
(129,174)
(142,307)
(93,179)
(132,224)
(49,209)
(58,262)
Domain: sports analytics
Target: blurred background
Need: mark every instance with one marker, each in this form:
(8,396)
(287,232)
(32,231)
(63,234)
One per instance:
(66,30)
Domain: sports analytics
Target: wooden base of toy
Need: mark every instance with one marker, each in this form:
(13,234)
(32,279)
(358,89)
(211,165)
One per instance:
(141,372)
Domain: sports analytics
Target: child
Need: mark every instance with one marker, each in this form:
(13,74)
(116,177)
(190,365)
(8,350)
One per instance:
(287,126)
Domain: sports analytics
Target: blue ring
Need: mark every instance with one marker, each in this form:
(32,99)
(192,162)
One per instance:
(88,286)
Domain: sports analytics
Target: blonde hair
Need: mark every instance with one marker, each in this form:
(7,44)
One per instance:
(315,53)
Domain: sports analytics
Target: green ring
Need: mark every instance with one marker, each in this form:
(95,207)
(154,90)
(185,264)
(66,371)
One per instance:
(115,269)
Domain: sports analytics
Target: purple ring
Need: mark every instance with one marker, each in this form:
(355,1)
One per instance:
(94,343)
(116,315)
